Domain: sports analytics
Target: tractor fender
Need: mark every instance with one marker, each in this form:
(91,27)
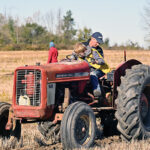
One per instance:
(121,71)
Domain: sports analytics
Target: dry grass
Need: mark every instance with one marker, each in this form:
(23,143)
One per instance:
(10,60)
(135,145)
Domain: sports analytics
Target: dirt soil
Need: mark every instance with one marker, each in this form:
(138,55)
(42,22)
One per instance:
(99,143)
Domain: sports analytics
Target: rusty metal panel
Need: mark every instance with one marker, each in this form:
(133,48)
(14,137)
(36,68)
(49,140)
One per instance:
(51,88)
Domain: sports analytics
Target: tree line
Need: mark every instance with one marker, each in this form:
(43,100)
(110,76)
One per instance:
(37,31)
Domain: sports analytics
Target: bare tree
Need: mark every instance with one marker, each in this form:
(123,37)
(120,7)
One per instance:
(3,20)
(37,17)
(48,20)
(59,23)
(29,20)
(17,29)
(146,17)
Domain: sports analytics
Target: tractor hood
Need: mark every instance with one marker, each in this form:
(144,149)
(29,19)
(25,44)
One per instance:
(78,70)
(63,71)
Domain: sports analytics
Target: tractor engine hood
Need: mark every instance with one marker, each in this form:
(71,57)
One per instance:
(62,71)
(67,71)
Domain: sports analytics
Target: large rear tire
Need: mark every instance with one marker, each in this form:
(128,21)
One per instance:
(133,104)
(78,126)
(15,133)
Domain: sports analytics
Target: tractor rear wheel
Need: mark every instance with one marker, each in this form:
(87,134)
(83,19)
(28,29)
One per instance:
(15,133)
(78,126)
(133,104)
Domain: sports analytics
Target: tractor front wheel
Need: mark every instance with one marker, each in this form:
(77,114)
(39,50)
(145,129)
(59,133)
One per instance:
(78,126)
(15,133)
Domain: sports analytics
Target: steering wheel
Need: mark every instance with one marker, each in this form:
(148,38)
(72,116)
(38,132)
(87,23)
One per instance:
(67,59)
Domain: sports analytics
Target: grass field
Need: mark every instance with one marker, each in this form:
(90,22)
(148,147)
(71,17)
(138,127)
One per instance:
(10,60)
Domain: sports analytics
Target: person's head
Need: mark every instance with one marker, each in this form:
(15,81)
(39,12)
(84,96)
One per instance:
(51,44)
(79,49)
(96,39)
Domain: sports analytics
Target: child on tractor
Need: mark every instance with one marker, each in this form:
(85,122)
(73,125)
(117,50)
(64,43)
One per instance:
(96,70)
(78,53)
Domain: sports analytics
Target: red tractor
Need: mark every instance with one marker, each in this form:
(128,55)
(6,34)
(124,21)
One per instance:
(59,98)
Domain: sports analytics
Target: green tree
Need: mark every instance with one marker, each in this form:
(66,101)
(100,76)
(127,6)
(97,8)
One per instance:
(106,43)
(68,27)
(11,28)
(32,33)
(84,34)
(5,37)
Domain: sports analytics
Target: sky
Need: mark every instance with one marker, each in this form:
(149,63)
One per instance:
(118,20)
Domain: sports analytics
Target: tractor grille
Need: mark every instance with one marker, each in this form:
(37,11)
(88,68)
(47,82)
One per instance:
(28,87)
